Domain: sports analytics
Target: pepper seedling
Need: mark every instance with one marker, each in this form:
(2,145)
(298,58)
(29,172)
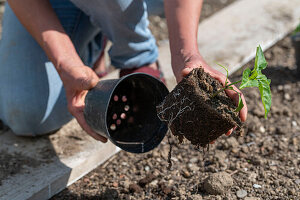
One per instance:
(254,78)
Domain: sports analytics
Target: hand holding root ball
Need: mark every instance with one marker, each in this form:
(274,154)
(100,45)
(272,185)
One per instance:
(205,104)
(196,61)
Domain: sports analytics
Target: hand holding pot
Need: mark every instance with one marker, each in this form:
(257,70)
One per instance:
(77,81)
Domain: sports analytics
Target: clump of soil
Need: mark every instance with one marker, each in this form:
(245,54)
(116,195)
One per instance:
(192,113)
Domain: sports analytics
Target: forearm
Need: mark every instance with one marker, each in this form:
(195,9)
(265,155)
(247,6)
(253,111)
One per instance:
(183,19)
(40,20)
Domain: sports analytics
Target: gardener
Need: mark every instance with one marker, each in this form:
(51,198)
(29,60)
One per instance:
(45,73)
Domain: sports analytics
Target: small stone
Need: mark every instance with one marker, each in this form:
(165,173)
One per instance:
(297,181)
(115,184)
(194,160)
(147,168)
(148,179)
(134,188)
(280,87)
(235,150)
(287,96)
(262,129)
(196,197)
(186,174)
(256,186)
(220,155)
(241,193)
(193,167)
(153,183)
(218,183)
(252,198)
(294,123)
(245,149)
(231,142)
(126,184)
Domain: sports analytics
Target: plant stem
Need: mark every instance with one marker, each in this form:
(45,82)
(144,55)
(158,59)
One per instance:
(225,88)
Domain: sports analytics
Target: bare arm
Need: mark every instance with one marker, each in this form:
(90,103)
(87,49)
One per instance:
(40,20)
(183,19)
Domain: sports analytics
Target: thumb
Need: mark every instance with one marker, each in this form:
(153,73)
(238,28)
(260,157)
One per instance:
(89,80)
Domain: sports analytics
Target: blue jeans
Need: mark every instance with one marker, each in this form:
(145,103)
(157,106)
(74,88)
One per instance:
(32,97)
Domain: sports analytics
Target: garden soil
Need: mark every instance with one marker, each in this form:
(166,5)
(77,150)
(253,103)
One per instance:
(264,164)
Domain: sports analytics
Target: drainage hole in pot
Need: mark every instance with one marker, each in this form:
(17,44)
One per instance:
(126,108)
(118,122)
(124,98)
(113,127)
(123,115)
(116,98)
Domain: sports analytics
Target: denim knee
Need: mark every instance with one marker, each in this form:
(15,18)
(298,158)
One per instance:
(21,121)
(25,120)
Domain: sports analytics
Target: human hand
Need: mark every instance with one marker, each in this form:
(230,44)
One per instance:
(77,81)
(195,61)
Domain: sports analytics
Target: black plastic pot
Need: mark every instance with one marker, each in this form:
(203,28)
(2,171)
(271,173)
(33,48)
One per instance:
(124,111)
(296,44)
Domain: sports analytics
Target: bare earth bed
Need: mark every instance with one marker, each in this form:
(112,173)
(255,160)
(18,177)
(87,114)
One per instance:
(264,164)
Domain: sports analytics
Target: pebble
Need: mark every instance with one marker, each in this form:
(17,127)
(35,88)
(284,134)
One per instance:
(241,193)
(147,168)
(186,174)
(153,183)
(294,123)
(262,129)
(232,142)
(115,184)
(218,183)
(252,198)
(256,186)
(194,160)
(287,96)
(297,181)
(220,156)
(196,197)
(148,179)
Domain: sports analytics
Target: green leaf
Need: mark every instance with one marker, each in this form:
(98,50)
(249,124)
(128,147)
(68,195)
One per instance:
(297,29)
(260,61)
(247,81)
(265,93)
(240,105)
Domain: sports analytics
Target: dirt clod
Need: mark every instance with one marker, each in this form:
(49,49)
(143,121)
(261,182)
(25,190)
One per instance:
(134,188)
(148,179)
(193,112)
(218,183)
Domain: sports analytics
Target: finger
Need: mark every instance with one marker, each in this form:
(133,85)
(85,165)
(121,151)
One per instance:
(186,71)
(235,97)
(229,132)
(80,119)
(244,111)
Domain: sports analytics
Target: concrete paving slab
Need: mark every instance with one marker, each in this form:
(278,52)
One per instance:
(41,167)
(230,36)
